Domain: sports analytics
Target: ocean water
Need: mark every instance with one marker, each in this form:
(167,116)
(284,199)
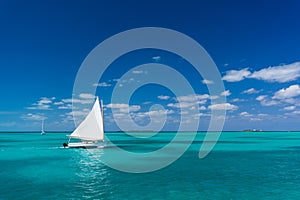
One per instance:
(243,165)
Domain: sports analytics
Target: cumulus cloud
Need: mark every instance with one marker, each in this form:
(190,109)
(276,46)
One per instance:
(190,101)
(255,119)
(261,97)
(184,104)
(83,112)
(237,100)
(207,82)
(289,108)
(281,74)
(156,58)
(269,103)
(63,107)
(137,72)
(154,113)
(58,103)
(193,97)
(163,97)
(86,96)
(245,114)
(33,117)
(43,104)
(287,93)
(266,101)
(251,91)
(202,108)
(226,93)
(103,84)
(223,106)
(80,101)
(296,112)
(236,75)
(124,108)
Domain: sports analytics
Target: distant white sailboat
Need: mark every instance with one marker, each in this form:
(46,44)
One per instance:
(42,131)
(90,131)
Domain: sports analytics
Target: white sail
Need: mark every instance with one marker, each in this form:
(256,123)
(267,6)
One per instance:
(91,128)
(42,131)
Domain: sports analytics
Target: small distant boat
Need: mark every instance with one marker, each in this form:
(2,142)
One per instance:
(90,131)
(42,131)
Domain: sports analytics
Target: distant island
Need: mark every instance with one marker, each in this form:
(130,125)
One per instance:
(253,130)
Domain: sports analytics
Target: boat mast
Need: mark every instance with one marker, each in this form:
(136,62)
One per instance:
(102,113)
(43,125)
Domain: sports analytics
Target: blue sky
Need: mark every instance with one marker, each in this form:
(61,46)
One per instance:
(255,45)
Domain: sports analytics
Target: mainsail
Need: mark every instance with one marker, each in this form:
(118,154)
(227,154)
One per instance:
(91,128)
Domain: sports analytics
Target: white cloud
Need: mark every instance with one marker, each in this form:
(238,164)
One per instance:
(290,92)
(45,100)
(190,105)
(264,101)
(261,97)
(214,97)
(189,101)
(81,101)
(245,114)
(67,106)
(250,91)
(269,102)
(155,113)
(289,108)
(223,106)
(86,96)
(58,103)
(263,115)
(236,75)
(193,97)
(163,97)
(180,105)
(156,58)
(237,100)
(202,108)
(39,107)
(296,112)
(83,112)
(103,84)
(207,82)
(255,119)
(137,71)
(43,104)
(226,93)
(117,105)
(281,74)
(124,108)
(33,117)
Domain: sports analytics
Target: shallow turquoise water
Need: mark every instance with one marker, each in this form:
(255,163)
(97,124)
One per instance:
(241,166)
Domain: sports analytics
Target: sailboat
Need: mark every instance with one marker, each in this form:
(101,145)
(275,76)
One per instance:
(90,131)
(42,131)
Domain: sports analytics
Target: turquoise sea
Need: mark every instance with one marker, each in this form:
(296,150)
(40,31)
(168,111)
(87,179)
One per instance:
(243,165)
